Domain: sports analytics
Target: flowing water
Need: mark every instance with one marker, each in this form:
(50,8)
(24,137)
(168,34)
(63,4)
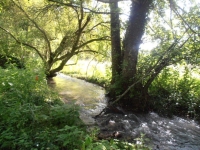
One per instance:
(162,133)
(89,96)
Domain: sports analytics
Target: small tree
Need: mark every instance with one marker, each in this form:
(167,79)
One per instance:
(57,31)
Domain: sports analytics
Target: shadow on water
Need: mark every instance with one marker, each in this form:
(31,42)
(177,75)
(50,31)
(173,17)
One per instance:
(163,133)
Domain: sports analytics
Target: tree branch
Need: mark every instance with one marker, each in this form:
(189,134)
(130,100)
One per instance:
(80,29)
(99,24)
(61,46)
(173,6)
(165,62)
(37,26)
(93,40)
(25,44)
(84,8)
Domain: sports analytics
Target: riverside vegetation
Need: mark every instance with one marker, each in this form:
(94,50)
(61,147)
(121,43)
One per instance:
(177,88)
(162,79)
(34,117)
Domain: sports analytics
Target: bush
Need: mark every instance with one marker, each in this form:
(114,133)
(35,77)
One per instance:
(33,117)
(91,143)
(6,60)
(177,92)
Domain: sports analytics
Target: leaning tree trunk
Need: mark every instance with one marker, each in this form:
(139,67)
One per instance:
(136,98)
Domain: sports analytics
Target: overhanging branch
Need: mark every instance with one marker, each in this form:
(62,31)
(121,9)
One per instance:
(173,6)
(23,43)
(37,26)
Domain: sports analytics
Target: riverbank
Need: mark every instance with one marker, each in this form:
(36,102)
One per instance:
(91,71)
(177,88)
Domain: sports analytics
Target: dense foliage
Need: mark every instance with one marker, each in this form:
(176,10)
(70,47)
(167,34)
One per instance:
(34,117)
(6,60)
(164,64)
(176,91)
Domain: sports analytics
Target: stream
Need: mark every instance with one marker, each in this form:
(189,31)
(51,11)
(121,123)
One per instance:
(161,133)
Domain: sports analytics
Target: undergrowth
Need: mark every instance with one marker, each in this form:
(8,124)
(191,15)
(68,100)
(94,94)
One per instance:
(176,92)
(33,117)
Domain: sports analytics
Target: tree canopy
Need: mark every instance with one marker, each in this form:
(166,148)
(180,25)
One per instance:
(57,30)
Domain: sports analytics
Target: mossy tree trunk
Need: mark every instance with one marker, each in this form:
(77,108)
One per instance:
(136,99)
(115,41)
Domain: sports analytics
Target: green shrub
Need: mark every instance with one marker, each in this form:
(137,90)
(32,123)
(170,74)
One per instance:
(177,92)
(32,116)
(91,142)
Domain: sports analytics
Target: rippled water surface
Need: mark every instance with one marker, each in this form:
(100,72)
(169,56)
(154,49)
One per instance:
(163,133)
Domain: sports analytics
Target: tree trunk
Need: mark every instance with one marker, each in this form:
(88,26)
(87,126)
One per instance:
(136,99)
(115,41)
(51,72)
(132,40)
